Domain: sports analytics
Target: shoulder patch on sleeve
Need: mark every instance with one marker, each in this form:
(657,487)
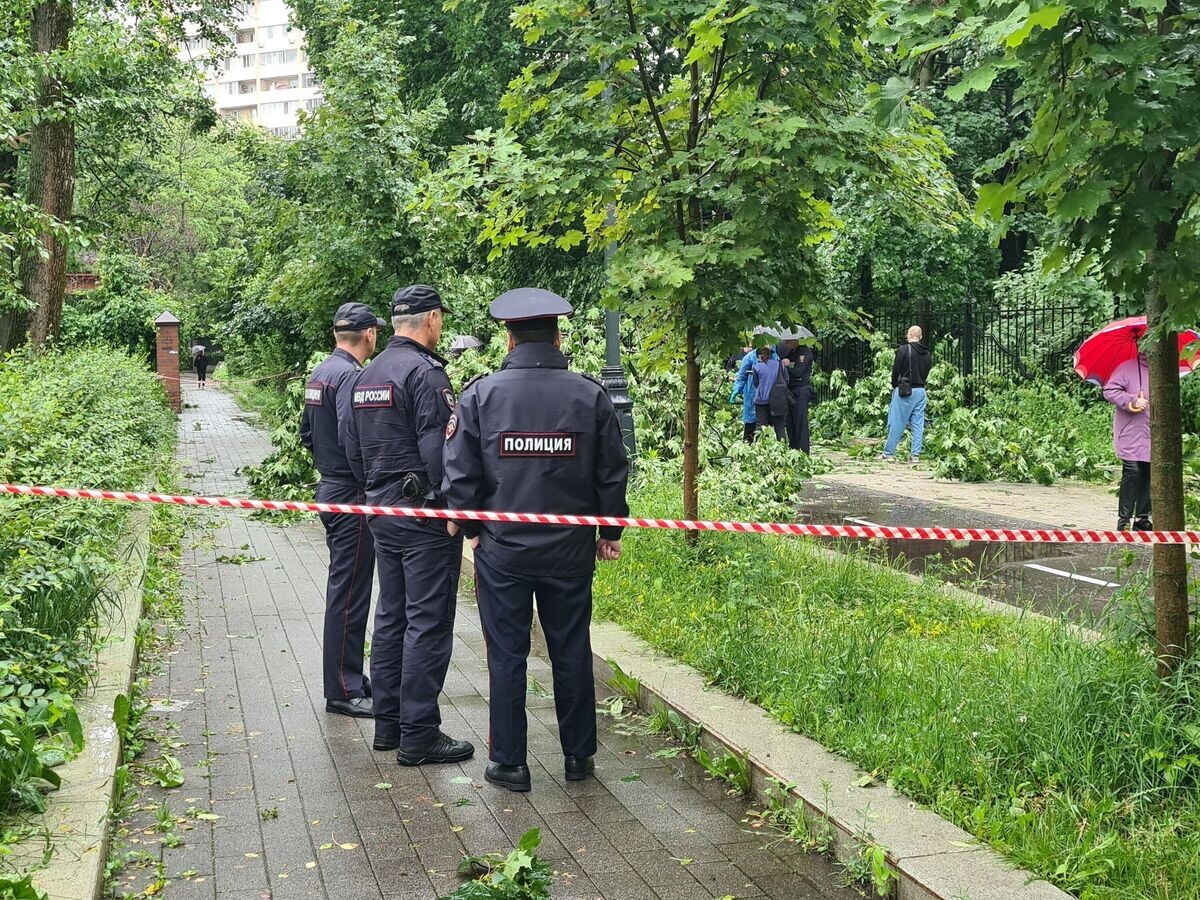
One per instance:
(448,397)
(314,393)
(452,426)
(371,396)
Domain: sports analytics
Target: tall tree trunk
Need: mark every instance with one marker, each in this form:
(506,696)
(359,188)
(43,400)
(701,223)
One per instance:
(691,431)
(51,177)
(1166,489)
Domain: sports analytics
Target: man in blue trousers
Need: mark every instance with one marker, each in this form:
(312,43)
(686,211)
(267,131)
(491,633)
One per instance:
(907,409)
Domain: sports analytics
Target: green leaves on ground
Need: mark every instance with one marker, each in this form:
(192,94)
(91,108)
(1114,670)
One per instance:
(519,876)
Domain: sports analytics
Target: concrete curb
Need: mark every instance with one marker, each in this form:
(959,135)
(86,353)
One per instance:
(931,858)
(76,816)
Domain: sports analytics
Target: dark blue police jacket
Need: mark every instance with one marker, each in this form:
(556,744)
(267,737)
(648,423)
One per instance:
(399,407)
(326,403)
(535,437)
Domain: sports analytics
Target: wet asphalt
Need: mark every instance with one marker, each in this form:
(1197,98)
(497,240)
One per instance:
(1076,581)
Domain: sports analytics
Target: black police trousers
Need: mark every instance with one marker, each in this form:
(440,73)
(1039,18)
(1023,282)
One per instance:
(347,591)
(797,426)
(419,565)
(565,610)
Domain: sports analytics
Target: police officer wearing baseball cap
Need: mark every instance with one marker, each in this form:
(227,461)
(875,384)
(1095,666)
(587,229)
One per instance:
(535,437)
(351,549)
(399,408)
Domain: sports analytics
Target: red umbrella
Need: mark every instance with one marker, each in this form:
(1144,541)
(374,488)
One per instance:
(1117,342)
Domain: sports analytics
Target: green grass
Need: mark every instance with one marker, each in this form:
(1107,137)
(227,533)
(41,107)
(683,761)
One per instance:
(1068,757)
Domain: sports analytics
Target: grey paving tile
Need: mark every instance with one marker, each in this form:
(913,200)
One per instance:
(245,688)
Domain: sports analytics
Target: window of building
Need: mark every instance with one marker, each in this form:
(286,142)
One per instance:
(281,84)
(309,79)
(248,61)
(278,57)
(273,32)
(245,36)
(285,131)
(314,103)
(230,88)
(246,87)
(241,114)
(280,108)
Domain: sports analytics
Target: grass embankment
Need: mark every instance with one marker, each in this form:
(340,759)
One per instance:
(91,418)
(1069,757)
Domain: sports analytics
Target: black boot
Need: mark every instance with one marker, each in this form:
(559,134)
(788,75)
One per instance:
(512,778)
(444,749)
(577,769)
(1122,524)
(1143,523)
(387,735)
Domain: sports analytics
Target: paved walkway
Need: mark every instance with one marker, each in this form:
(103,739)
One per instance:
(1067,504)
(307,809)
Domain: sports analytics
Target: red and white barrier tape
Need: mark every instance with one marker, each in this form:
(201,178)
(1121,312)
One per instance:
(887,532)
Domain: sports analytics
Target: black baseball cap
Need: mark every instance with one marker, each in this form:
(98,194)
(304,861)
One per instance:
(356,317)
(416,298)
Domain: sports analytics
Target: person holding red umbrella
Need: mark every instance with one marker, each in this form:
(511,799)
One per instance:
(1112,359)
(1128,390)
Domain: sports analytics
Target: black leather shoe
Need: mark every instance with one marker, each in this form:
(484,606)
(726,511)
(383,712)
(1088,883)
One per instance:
(1122,524)
(444,749)
(1143,524)
(367,687)
(358,707)
(512,778)
(577,769)
(387,736)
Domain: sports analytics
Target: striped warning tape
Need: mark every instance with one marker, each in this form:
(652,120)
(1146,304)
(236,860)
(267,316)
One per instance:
(885,532)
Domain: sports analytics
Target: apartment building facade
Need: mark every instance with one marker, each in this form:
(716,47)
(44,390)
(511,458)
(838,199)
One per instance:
(265,78)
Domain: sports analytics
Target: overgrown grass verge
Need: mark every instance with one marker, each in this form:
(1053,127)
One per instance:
(91,418)
(1069,757)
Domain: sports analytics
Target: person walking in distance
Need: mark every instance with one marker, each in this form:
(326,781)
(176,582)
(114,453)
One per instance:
(535,437)
(399,407)
(351,549)
(1128,390)
(907,408)
(200,361)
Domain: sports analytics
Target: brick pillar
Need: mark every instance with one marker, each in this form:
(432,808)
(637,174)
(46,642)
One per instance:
(167,358)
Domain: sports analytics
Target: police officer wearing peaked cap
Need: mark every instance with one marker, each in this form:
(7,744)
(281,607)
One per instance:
(535,437)
(351,549)
(400,406)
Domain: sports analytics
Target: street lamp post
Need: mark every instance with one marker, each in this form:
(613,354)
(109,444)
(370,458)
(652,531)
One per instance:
(612,376)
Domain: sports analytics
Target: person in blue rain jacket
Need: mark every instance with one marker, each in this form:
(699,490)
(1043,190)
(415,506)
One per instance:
(743,388)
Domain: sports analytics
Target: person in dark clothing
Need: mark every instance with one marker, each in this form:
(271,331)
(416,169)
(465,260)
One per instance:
(201,363)
(400,405)
(536,437)
(907,409)
(351,548)
(800,359)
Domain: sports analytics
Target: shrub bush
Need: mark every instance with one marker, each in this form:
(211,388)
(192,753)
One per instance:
(90,418)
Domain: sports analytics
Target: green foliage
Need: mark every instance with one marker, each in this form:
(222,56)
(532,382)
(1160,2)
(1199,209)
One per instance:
(92,418)
(1113,102)
(287,473)
(1069,757)
(1035,432)
(519,876)
(120,312)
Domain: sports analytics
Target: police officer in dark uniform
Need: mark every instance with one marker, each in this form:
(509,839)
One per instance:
(800,387)
(394,436)
(351,549)
(535,437)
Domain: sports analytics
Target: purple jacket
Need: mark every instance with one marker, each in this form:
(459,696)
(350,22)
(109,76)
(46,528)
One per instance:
(1131,431)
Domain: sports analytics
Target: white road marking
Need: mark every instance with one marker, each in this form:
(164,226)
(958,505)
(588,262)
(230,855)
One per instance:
(1084,578)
